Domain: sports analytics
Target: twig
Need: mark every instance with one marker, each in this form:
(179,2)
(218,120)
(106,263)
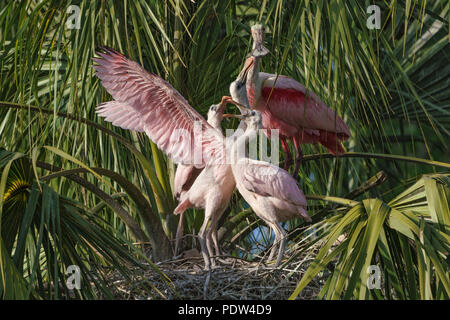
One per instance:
(205,287)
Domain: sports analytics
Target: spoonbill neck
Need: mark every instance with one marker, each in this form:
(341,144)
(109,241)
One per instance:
(216,122)
(253,83)
(238,143)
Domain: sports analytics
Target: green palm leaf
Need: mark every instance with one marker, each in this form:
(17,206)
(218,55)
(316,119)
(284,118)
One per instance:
(386,234)
(390,85)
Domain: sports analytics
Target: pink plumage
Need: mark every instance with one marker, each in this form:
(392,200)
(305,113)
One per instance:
(146,102)
(184,178)
(289,107)
(300,114)
(265,180)
(271,192)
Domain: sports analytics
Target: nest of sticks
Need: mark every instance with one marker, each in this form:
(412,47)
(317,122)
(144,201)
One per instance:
(232,279)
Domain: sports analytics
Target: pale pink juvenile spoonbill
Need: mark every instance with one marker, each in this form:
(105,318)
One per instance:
(185,175)
(271,192)
(184,178)
(288,106)
(145,102)
(204,186)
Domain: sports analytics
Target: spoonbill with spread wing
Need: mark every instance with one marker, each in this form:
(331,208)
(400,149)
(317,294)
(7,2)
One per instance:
(146,103)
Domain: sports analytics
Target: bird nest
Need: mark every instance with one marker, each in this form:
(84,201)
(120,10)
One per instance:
(232,279)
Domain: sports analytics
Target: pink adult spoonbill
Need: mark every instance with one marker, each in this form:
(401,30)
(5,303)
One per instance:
(271,192)
(145,102)
(288,106)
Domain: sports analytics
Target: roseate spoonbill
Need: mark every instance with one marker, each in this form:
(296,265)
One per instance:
(145,102)
(203,190)
(271,192)
(186,175)
(288,106)
(239,95)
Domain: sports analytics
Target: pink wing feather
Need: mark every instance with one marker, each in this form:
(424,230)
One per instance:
(286,99)
(185,176)
(145,102)
(120,114)
(266,179)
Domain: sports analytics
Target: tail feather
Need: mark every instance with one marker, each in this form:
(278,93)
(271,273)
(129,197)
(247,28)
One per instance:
(332,142)
(304,214)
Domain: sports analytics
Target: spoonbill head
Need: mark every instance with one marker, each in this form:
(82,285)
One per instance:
(238,92)
(215,113)
(252,119)
(258,38)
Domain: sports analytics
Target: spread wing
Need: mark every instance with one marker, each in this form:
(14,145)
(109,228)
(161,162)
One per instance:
(145,102)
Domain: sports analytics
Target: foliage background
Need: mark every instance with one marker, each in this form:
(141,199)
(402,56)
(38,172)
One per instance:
(390,85)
